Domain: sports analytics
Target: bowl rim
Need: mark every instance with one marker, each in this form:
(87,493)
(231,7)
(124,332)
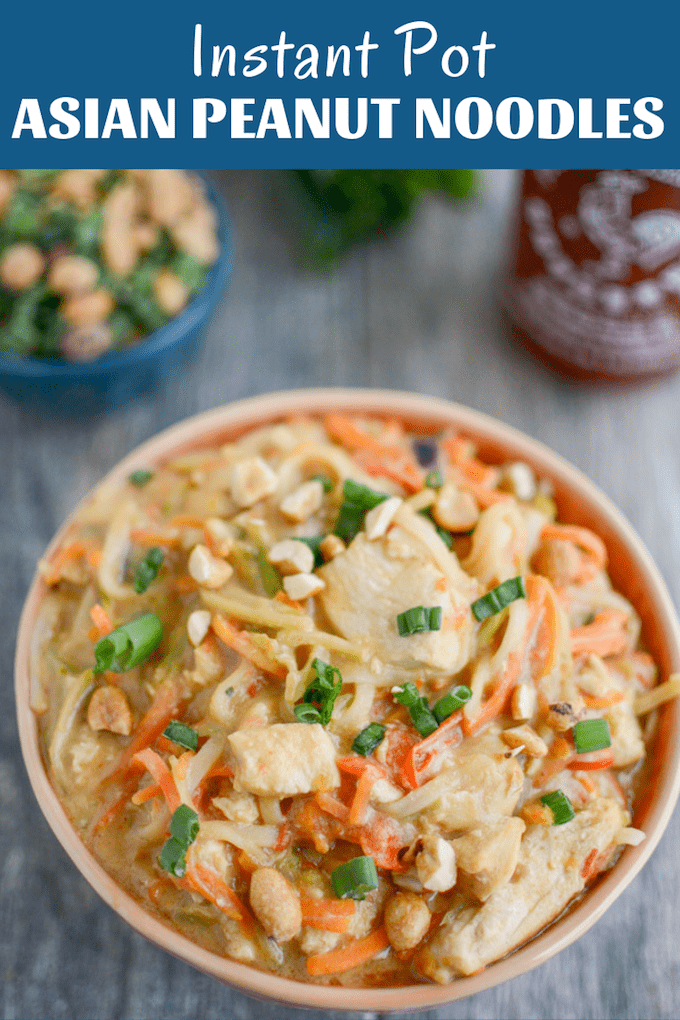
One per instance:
(41,368)
(235,419)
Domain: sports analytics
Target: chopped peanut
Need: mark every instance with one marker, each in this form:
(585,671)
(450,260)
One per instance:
(198,626)
(455,510)
(221,535)
(378,520)
(519,479)
(304,501)
(301,586)
(557,560)
(436,864)
(560,716)
(21,266)
(252,479)
(275,904)
(291,557)
(526,737)
(109,710)
(331,546)
(88,309)
(407,919)
(72,274)
(524,702)
(210,571)
(171,293)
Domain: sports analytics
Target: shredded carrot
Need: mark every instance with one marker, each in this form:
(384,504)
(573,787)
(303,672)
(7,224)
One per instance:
(166,704)
(327,915)
(183,763)
(485,497)
(459,452)
(346,431)
(94,558)
(356,765)
(419,759)
(496,702)
(93,634)
(242,643)
(587,784)
(216,890)
(246,863)
(606,635)
(545,620)
(609,698)
(340,960)
(594,765)
(401,469)
(186,521)
(595,550)
(52,573)
(109,815)
(281,596)
(160,772)
(537,814)
(362,797)
(101,620)
(332,806)
(148,536)
(146,793)
(593,864)
(184,585)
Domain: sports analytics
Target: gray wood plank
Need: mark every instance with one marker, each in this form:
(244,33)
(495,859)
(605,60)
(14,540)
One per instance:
(417,311)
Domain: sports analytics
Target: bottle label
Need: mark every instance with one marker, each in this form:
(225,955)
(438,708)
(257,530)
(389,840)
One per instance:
(598,274)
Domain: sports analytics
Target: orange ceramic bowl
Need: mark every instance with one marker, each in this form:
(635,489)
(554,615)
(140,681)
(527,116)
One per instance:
(580,502)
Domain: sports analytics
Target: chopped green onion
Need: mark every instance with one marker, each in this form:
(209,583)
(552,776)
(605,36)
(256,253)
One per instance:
(367,741)
(184,825)
(128,645)
(351,881)
(451,702)
(421,716)
(419,619)
(498,598)
(173,858)
(181,734)
(434,480)
(357,501)
(591,735)
(313,544)
(319,698)
(560,805)
(140,477)
(147,570)
(325,482)
(184,828)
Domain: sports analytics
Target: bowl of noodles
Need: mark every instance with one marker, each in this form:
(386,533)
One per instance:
(313,686)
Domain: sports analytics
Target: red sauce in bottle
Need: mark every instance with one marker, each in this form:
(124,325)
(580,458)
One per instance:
(594,285)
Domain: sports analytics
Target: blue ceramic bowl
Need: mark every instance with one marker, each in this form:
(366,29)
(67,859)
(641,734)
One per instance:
(73,389)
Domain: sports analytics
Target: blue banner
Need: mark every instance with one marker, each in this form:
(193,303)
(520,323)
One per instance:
(409,84)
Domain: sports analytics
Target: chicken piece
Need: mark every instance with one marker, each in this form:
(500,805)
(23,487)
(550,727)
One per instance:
(476,788)
(557,560)
(284,759)
(487,856)
(109,710)
(276,904)
(547,877)
(373,581)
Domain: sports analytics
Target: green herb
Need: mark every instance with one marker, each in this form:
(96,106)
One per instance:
(591,735)
(498,598)
(419,619)
(367,741)
(128,645)
(140,477)
(357,501)
(314,544)
(319,698)
(434,480)
(451,702)
(184,828)
(181,734)
(325,482)
(560,805)
(421,716)
(351,881)
(147,570)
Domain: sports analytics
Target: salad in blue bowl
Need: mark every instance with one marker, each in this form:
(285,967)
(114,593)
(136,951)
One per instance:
(108,281)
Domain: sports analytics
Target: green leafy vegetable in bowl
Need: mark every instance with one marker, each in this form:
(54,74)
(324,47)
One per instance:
(93,260)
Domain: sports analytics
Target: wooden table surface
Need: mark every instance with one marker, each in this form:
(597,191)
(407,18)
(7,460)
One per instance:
(417,312)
